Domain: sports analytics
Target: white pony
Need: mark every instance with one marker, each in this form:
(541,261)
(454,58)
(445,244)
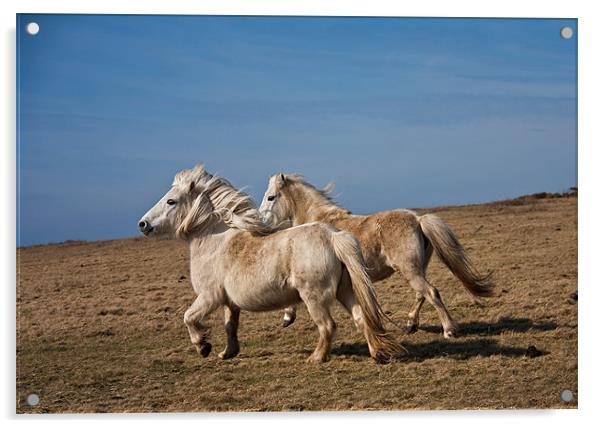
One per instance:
(240,263)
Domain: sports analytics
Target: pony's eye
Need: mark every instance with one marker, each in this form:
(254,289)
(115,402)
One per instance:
(271,198)
(171,202)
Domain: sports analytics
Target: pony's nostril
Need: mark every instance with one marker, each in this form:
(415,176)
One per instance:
(142,225)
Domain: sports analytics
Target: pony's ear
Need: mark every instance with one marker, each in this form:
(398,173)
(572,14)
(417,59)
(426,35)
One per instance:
(328,188)
(191,187)
(281,180)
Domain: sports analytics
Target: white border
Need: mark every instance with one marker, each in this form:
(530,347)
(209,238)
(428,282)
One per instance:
(590,30)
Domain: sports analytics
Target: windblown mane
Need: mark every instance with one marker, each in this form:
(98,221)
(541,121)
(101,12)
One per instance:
(234,207)
(324,196)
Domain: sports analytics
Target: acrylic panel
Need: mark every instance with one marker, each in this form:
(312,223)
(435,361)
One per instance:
(440,271)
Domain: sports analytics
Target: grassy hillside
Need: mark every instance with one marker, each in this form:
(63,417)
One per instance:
(99,329)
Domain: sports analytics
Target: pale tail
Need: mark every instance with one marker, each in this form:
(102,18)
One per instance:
(451,252)
(348,251)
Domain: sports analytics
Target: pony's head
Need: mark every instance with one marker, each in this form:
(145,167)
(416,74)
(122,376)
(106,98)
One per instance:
(276,203)
(198,200)
(290,199)
(173,213)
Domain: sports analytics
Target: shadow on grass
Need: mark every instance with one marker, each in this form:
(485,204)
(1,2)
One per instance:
(462,350)
(480,328)
(456,349)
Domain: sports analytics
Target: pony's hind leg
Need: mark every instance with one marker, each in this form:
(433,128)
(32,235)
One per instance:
(319,312)
(290,314)
(431,294)
(193,318)
(347,298)
(411,261)
(414,315)
(231,316)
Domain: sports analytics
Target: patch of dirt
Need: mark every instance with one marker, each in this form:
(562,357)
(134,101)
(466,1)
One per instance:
(99,329)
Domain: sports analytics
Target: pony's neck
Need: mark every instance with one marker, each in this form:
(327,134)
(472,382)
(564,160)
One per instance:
(207,239)
(310,205)
(206,251)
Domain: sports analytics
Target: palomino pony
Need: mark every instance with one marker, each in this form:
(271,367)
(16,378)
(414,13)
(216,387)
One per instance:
(240,263)
(397,240)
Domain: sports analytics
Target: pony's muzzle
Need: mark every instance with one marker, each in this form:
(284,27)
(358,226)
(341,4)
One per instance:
(267,217)
(145,227)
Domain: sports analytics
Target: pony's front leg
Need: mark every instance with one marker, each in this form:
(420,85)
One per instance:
(231,315)
(193,318)
(290,314)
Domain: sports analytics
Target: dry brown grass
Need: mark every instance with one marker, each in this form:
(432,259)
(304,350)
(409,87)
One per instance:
(99,329)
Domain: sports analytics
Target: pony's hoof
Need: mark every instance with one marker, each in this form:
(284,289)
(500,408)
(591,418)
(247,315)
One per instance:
(227,354)
(411,328)
(205,349)
(381,358)
(317,360)
(286,322)
(450,334)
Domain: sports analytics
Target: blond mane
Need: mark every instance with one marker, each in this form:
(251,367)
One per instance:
(323,198)
(232,206)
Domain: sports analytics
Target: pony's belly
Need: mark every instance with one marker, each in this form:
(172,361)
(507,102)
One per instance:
(380,272)
(262,298)
(376,266)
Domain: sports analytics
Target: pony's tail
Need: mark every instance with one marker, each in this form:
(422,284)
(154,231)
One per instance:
(451,252)
(383,346)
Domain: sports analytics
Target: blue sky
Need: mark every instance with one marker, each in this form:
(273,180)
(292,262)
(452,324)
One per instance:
(399,112)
